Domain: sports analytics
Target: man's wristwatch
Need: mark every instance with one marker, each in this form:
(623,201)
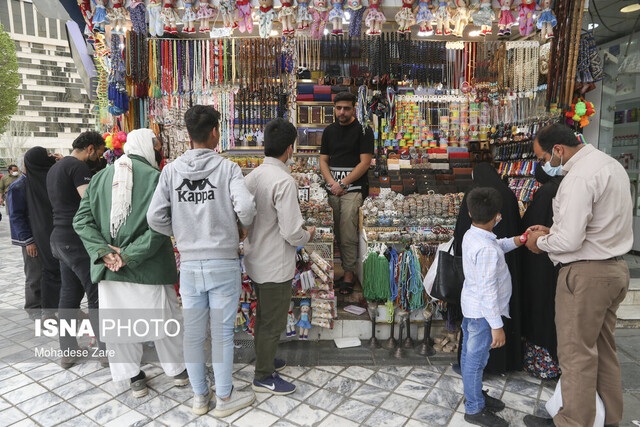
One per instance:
(343,186)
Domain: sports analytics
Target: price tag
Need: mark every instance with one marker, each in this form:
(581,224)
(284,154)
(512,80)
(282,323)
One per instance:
(303,194)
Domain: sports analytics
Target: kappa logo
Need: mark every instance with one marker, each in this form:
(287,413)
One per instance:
(196,191)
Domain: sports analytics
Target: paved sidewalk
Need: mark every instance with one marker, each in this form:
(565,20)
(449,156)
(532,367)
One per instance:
(36,391)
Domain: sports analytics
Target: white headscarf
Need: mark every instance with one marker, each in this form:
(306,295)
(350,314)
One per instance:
(139,143)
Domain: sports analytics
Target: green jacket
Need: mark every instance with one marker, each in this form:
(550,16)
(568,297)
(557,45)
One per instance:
(148,255)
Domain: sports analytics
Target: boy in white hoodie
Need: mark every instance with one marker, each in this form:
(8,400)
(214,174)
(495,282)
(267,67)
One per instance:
(202,201)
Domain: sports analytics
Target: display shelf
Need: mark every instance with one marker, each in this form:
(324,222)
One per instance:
(313,125)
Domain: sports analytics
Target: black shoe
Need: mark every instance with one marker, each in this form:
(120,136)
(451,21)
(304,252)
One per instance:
(533,421)
(486,418)
(491,403)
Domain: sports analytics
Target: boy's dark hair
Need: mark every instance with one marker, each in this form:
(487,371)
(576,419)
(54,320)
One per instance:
(556,134)
(11,167)
(345,96)
(85,139)
(279,134)
(200,121)
(484,204)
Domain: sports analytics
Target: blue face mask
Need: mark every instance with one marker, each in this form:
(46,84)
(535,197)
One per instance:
(552,170)
(497,221)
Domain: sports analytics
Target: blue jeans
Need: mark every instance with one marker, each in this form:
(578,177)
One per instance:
(210,291)
(476,343)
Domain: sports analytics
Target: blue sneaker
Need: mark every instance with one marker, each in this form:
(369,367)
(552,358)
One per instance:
(274,385)
(279,364)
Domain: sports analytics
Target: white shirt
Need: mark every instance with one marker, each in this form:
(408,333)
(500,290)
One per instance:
(487,281)
(592,211)
(270,248)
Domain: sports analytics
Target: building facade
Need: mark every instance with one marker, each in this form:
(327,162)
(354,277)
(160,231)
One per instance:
(53,104)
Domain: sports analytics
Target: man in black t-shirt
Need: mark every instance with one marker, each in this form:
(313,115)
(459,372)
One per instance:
(345,157)
(66,182)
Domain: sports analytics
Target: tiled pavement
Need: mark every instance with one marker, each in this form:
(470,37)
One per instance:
(36,391)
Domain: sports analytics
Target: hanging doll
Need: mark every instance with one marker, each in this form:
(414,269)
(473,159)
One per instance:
(405,17)
(506,18)
(525,13)
(229,13)
(252,322)
(443,19)
(336,15)
(205,14)
(375,18)
(319,14)
(169,17)
(304,17)
(357,12)
(266,15)
(287,17)
(156,28)
(424,17)
(245,307)
(484,17)
(291,321)
(189,18)
(239,325)
(137,13)
(245,22)
(99,19)
(547,20)
(118,16)
(304,322)
(461,18)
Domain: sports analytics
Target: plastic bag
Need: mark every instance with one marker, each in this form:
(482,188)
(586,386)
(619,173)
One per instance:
(430,277)
(554,404)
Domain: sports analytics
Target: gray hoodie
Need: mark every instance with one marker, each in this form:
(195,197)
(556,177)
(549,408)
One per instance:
(198,198)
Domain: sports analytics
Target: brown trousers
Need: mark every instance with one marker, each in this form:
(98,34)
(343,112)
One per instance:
(587,298)
(345,225)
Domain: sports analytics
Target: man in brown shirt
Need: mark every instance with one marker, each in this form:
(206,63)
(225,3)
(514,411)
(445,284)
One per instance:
(8,179)
(592,229)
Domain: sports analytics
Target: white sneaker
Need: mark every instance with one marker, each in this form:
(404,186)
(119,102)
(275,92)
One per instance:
(238,400)
(201,403)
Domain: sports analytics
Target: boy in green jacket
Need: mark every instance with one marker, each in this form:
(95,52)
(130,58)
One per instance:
(133,265)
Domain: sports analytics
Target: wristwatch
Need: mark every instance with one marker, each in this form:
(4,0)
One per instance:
(343,186)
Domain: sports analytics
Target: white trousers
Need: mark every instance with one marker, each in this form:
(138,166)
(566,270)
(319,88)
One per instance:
(169,352)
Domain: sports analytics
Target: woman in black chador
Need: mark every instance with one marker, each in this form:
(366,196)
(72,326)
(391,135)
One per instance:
(508,357)
(539,277)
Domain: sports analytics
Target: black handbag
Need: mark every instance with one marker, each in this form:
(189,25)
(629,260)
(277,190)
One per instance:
(447,285)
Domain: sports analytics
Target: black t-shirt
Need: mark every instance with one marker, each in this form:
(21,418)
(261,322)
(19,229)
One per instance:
(63,181)
(343,145)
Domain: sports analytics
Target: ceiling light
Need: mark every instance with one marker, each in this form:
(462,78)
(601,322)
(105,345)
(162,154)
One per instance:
(631,8)
(273,33)
(425,33)
(593,26)
(474,33)
(326,32)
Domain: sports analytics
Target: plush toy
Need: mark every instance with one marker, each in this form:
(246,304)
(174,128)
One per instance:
(484,17)
(304,322)
(443,19)
(291,321)
(405,17)
(460,18)
(547,20)
(580,112)
(287,17)
(357,12)
(506,18)
(525,16)
(118,16)
(205,14)
(229,13)
(304,16)
(99,19)
(169,17)
(156,28)
(189,18)
(266,14)
(424,17)
(319,14)
(245,22)
(336,15)
(375,18)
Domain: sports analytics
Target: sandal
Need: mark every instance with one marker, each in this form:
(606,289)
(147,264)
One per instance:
(346,288)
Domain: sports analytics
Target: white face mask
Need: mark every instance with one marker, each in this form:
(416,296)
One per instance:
(290,161)
(14,173)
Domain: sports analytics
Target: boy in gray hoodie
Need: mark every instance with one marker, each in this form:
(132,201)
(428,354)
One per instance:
(202,201)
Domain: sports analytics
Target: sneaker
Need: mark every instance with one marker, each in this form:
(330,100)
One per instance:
(68,362)
(182,379)
(139,385)
(274,385)
(485,418)
(201,403)
(491,403)
(238,400)
(533,421)
(279,364)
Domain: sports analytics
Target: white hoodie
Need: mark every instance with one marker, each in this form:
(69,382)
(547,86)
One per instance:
(199,200)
